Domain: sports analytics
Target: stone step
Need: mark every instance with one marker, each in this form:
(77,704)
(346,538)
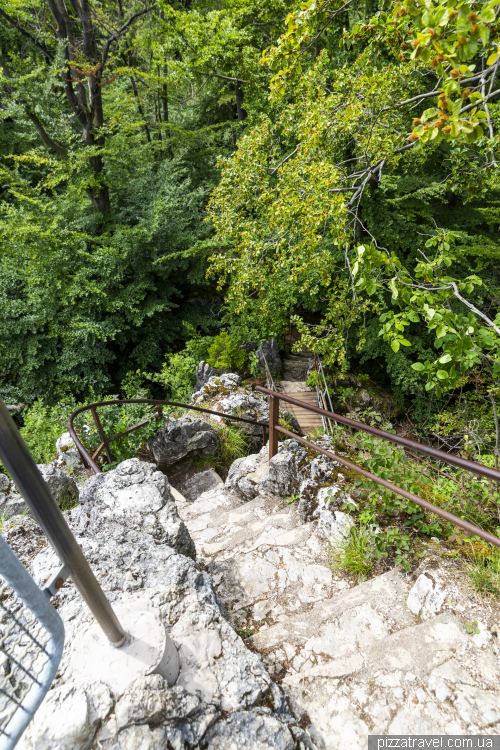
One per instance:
(261,558)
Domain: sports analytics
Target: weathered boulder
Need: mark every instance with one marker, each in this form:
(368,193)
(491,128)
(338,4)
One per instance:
(67,453)
(216,386)
(227,396)
(426,596)
(194,485)
(204,372)
(63,488)
(249,730)
(121,529)
(314,479)
(137,497)
(182,438)
(245,474)
(268,351)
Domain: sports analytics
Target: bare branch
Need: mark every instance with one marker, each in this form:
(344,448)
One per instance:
(56,147)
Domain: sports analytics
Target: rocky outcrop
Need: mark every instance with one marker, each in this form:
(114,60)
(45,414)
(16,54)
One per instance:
(315,482)
(182,438)
(388,656)
(223,698)
(63,488)
(268,351)
(67,453)
(204,372)
(226,395)
(137,497)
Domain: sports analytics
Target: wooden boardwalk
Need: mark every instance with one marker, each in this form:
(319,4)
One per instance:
(293,385)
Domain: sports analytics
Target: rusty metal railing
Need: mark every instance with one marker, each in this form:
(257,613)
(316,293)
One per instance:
(462,463)
(275,428)
(90,460)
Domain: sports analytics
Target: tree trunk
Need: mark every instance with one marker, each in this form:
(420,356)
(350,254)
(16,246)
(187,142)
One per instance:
(242,113)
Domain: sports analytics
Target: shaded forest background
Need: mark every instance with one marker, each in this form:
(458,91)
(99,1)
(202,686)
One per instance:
(168,170)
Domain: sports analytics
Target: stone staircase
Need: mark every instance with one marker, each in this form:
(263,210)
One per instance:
(293,384)
(388,656)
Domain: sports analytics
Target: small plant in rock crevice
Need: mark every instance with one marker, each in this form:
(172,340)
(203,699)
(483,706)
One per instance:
(356,554)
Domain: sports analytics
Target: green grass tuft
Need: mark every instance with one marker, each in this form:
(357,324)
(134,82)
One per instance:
(355,555)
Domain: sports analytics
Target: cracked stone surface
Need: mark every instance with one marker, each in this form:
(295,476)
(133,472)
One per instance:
(330,662)
(388,656)
(225,394)
(131,534)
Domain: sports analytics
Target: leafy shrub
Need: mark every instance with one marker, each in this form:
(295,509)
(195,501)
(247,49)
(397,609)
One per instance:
(225,353)
(178,372)
(115,419)
(43,425)
(254,365)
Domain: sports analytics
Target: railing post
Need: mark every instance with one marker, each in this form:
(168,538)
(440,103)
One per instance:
(21,466)
(274,417)
(102,434)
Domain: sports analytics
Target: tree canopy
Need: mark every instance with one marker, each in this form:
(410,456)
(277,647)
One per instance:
(170,167)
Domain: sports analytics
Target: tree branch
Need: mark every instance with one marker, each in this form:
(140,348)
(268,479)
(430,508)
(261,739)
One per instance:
(58,149)
(121,31)
(224,78)
(40,46)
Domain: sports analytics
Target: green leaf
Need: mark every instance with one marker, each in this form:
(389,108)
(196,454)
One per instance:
(395,346)
(418,366)
(442,374)
(445,358)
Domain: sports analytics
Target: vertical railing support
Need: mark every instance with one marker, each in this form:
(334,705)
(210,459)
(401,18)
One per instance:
(21,466)
(102,434)
(274,418)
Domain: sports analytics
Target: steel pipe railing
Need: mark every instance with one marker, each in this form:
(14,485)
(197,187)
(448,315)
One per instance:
(274,429)
(461,463)
(21,466)
(90,460)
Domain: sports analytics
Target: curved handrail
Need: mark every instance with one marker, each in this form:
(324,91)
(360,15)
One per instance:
(90,460)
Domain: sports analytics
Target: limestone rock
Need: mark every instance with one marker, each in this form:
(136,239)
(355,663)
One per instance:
(137,497)
(252,730)
(225,395)
(269,351)
(180,438)
(67,453)
(204,372)
(426,596)
(198,483)
(68,718)
(63,487)
(245,474)
(335,525)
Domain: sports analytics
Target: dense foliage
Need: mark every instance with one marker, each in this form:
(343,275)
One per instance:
(347,154)
(113,115)
(367,215)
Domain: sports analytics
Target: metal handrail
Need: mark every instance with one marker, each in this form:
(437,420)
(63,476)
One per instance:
(461,463)
(105,441)
(274,429)
(472,466)
(21,466)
